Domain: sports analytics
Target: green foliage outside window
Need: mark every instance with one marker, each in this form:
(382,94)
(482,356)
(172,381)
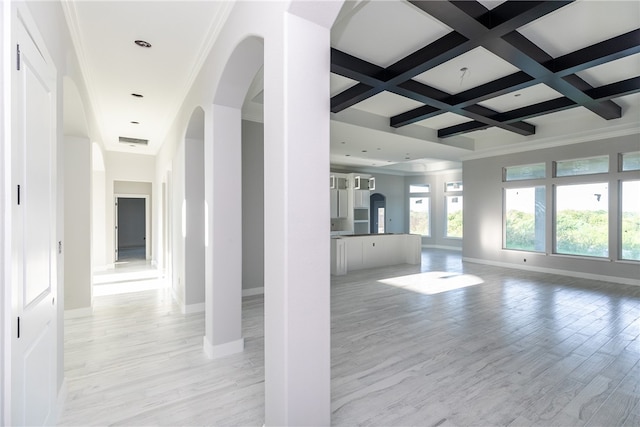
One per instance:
(454,224)
(521,231)
(582,232)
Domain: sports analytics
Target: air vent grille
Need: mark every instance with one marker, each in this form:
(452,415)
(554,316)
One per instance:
(128,140)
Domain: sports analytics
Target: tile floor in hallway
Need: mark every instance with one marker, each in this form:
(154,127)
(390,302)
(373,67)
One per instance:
(447,344)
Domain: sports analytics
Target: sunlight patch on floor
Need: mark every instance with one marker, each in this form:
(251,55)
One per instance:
(124,287)
(433,282)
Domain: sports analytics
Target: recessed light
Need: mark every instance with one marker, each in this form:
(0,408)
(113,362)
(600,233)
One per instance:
(135,123)
(407,158)
(378,149)
(364,151)
(517,94)
(142,43)
(131,145)
(343,142)
(348,155)
(137,95)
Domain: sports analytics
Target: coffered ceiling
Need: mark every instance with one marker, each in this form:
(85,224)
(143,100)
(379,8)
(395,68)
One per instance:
(462,77)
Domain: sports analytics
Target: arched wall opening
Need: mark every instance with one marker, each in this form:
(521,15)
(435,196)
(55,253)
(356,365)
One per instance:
(296,56)
(223,197)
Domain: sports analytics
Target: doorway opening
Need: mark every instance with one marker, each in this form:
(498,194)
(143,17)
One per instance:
(378,204)
(131,228)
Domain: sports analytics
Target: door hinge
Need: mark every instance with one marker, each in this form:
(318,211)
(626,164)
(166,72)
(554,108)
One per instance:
(18,57)
(18,327)
(18,194)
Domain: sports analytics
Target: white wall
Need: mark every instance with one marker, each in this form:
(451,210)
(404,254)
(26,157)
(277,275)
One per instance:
(77,223)
(177,237)
(483,211)
(98,209)
(252,205)
(194,240)
(124,167)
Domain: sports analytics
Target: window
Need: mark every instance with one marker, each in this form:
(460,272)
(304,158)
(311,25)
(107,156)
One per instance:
(582,219)
(419,216)
(586,166)
(630,161)
(525,218)
(453,186)
(454,216)
(380,221)
(630,220)
(517,173)
(419,188)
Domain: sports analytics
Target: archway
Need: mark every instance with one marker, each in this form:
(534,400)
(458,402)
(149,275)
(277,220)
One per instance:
(377,203)
(296,156)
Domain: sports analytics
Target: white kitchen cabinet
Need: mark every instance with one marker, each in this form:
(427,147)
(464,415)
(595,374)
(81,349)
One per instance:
(376,250)
(343,204)
(339,204)
(361,198)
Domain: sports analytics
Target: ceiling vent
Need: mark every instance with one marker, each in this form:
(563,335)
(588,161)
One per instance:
(137,141)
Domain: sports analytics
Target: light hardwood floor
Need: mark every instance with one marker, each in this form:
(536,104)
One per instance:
(470,345)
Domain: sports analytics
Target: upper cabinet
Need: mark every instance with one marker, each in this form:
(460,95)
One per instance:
(339,205)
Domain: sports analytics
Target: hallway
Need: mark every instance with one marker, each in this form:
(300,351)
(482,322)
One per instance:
(450,343)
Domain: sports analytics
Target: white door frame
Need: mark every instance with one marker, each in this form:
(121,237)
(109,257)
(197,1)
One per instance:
(147,221)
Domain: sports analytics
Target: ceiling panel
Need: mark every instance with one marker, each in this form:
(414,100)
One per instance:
(382,32)
(481,67)
(581,24)
(521,98)
(613,71)
(340,83)
(443,120)
(387,104)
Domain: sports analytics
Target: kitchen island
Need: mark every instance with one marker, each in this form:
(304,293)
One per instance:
(357,252)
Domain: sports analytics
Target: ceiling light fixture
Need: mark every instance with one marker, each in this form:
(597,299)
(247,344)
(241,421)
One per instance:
(135,123)
(137,95)
(142,43)
(463,72)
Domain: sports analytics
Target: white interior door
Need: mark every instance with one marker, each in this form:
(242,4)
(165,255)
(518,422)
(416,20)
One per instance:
(34,350)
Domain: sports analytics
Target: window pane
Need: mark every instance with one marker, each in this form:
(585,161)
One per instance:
(630,220)
(419,215)
(453,186)
(583,166)
(525,218)
(419,188)
(454,216)
(381,220)
(516,173)
(631,161)
(582,217)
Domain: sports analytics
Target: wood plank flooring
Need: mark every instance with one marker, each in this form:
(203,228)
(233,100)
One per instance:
(517,349)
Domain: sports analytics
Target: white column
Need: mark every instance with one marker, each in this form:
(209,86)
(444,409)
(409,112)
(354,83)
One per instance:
(223,272)
(297,269)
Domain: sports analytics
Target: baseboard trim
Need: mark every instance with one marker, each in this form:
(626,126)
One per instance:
(249,292)
(192,308)
(222,350)
(78,312)
(449,248)
(569,273)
